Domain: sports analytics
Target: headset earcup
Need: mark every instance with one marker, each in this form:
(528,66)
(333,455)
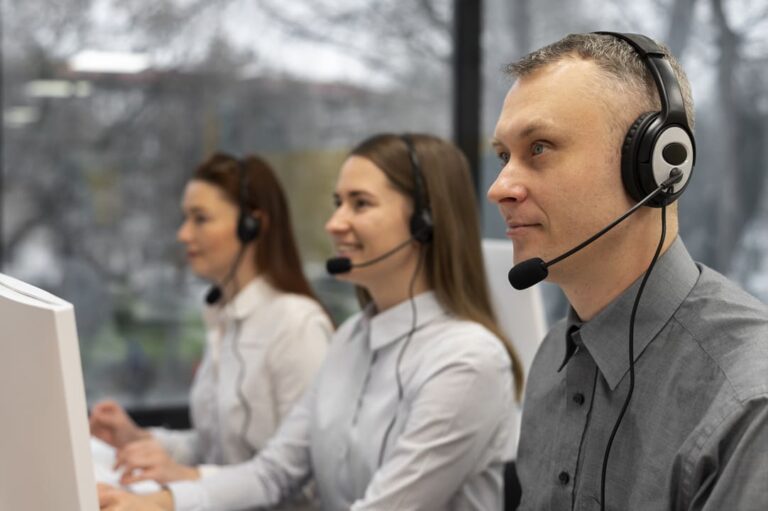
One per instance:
(631,167)
(248,227)
(422,228)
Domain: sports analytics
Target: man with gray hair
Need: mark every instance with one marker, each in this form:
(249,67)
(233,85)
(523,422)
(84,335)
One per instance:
(596,143)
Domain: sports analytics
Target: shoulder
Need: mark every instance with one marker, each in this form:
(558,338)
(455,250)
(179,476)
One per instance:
(297,307)
(730,327)
(455,341)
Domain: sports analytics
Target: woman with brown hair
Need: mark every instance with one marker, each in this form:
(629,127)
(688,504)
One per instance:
(267,333)
(412,408)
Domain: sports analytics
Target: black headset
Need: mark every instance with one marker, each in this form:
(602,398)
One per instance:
(657,145)
(421,226)
(248,225)
(422,229)
(657,142)
(247,229)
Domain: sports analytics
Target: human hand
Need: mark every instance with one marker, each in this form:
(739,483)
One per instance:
(147,460)
(112,499)
(110,423)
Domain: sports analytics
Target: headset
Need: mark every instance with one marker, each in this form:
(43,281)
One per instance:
(657,155)
(247,230)
(422,230)
(421,225)
(248,225)
(657,142)
(657,160)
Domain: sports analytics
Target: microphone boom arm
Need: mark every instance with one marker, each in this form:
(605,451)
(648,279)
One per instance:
(675,176)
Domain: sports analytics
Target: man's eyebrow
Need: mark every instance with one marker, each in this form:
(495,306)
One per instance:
(536,126)
(497,144)
(526,131)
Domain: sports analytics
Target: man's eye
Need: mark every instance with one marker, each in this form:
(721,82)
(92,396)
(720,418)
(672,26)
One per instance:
(504,157)
(537,148)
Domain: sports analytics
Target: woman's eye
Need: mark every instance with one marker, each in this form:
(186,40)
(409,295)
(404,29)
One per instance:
(537,148)
(504,157)
(361,203)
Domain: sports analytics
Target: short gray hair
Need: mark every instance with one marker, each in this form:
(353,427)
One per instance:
(618,60)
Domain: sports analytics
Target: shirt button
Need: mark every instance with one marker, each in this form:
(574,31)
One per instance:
(578,398)
(564,477)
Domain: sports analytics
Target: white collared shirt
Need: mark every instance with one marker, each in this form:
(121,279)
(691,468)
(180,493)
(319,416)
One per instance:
(265,346)
(447,444)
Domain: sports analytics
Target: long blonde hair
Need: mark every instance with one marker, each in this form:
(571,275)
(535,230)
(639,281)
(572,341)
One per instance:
(453,260)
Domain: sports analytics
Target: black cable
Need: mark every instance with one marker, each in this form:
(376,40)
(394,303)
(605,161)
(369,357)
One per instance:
(632,352)
(400,392)
(240,380)
(248,413)
(231,278)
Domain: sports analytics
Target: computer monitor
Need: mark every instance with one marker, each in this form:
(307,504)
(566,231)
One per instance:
(520,314)
(45,456)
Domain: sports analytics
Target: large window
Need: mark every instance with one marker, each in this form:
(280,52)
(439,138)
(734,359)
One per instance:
(723,45)
(109,104)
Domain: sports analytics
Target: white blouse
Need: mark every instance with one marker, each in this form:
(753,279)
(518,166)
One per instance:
(264,348)
(448,433)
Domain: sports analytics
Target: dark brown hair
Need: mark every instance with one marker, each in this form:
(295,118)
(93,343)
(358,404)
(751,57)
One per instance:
(277,257)
(453,260)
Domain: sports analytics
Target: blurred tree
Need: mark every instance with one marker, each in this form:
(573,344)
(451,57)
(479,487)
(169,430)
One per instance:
(95,176)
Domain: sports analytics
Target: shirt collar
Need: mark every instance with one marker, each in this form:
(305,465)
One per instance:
(606,336)
(396,322)
(257,293)
(572,337)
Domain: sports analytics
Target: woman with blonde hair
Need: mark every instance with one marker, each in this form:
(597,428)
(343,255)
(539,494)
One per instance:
(412,407)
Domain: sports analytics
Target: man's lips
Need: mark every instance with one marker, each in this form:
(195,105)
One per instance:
(517,228)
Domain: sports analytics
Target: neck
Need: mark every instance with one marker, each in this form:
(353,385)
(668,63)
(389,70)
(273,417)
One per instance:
(245,272)
(392,290)
(597,278)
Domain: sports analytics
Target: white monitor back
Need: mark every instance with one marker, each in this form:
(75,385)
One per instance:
(45,457)
(520,313)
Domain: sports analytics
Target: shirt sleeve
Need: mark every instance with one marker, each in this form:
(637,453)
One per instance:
(731,471)
(281,468)
(295,359)
(183,445)
(458,421)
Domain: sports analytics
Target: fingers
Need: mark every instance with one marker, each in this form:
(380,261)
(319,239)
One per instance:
(141,454)
(112,499)
(144,460)
(139,475)
(110,422)
(109,497)
(106,421)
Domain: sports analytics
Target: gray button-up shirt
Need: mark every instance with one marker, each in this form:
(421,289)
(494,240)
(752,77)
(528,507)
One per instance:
(695,436)
(439,446)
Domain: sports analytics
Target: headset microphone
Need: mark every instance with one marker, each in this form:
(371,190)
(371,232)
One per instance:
(533,271)
(337,265)
(213,295)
